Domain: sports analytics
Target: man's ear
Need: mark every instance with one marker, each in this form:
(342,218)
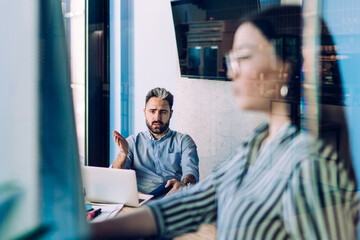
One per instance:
(171,112)
(144,112)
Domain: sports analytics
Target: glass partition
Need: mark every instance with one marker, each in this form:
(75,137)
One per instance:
(74,22)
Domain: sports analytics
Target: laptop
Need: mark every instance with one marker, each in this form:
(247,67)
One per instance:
(110,185)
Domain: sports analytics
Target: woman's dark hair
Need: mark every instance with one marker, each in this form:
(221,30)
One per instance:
(283,27)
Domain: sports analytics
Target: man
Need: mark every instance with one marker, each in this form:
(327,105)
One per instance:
(163,159)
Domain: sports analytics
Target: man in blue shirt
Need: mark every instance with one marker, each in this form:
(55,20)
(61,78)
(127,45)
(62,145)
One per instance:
(163,159)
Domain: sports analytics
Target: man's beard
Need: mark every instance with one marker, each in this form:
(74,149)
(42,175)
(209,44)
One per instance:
(158,130)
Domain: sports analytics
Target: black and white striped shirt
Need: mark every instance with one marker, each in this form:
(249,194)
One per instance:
(293,187)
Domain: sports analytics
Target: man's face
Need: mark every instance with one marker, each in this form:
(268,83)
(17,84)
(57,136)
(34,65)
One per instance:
(157,114)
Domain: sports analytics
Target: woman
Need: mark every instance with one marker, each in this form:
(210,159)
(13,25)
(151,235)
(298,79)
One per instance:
(280,183)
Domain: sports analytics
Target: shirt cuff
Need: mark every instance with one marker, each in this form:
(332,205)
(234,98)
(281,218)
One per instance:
(159,220)
(196,175)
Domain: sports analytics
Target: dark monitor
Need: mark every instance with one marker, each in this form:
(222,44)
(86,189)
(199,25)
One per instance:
(204,32)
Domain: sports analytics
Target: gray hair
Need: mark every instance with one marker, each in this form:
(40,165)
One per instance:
(161,93)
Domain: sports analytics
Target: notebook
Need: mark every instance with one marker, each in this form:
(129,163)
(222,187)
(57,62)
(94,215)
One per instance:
(109,185)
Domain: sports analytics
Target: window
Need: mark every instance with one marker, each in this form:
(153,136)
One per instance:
(86,33)
(74,22)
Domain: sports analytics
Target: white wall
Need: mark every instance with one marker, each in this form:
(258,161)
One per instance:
(206,111)
(155,54)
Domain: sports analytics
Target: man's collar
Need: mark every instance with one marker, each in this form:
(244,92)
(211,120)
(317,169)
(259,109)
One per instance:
(149,134)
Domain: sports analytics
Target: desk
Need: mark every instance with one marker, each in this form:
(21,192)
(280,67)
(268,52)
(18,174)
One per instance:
(205,232)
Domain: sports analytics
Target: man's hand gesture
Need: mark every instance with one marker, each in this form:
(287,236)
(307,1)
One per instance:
(123,150)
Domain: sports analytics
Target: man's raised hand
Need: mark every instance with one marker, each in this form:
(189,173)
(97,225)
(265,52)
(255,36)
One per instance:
(123,150)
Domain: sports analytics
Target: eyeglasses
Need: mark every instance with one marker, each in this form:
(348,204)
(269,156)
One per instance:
(232,62)
(235,57)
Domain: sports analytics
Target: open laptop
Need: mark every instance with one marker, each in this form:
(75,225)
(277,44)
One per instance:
(108,185)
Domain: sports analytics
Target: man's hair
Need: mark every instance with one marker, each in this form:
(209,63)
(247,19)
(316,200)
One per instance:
(161,93)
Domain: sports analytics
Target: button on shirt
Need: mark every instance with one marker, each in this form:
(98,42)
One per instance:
(156,161)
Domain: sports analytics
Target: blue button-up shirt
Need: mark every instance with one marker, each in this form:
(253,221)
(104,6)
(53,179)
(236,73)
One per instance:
(156,161)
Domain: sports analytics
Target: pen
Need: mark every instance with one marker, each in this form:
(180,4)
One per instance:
(94,214)
(89,210)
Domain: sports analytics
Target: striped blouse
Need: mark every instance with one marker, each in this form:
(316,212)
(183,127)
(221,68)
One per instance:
(293,187)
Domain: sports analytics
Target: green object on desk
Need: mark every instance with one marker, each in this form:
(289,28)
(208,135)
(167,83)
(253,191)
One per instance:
(89,207)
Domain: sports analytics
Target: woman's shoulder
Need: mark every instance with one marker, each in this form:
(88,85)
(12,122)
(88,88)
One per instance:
(320,163)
